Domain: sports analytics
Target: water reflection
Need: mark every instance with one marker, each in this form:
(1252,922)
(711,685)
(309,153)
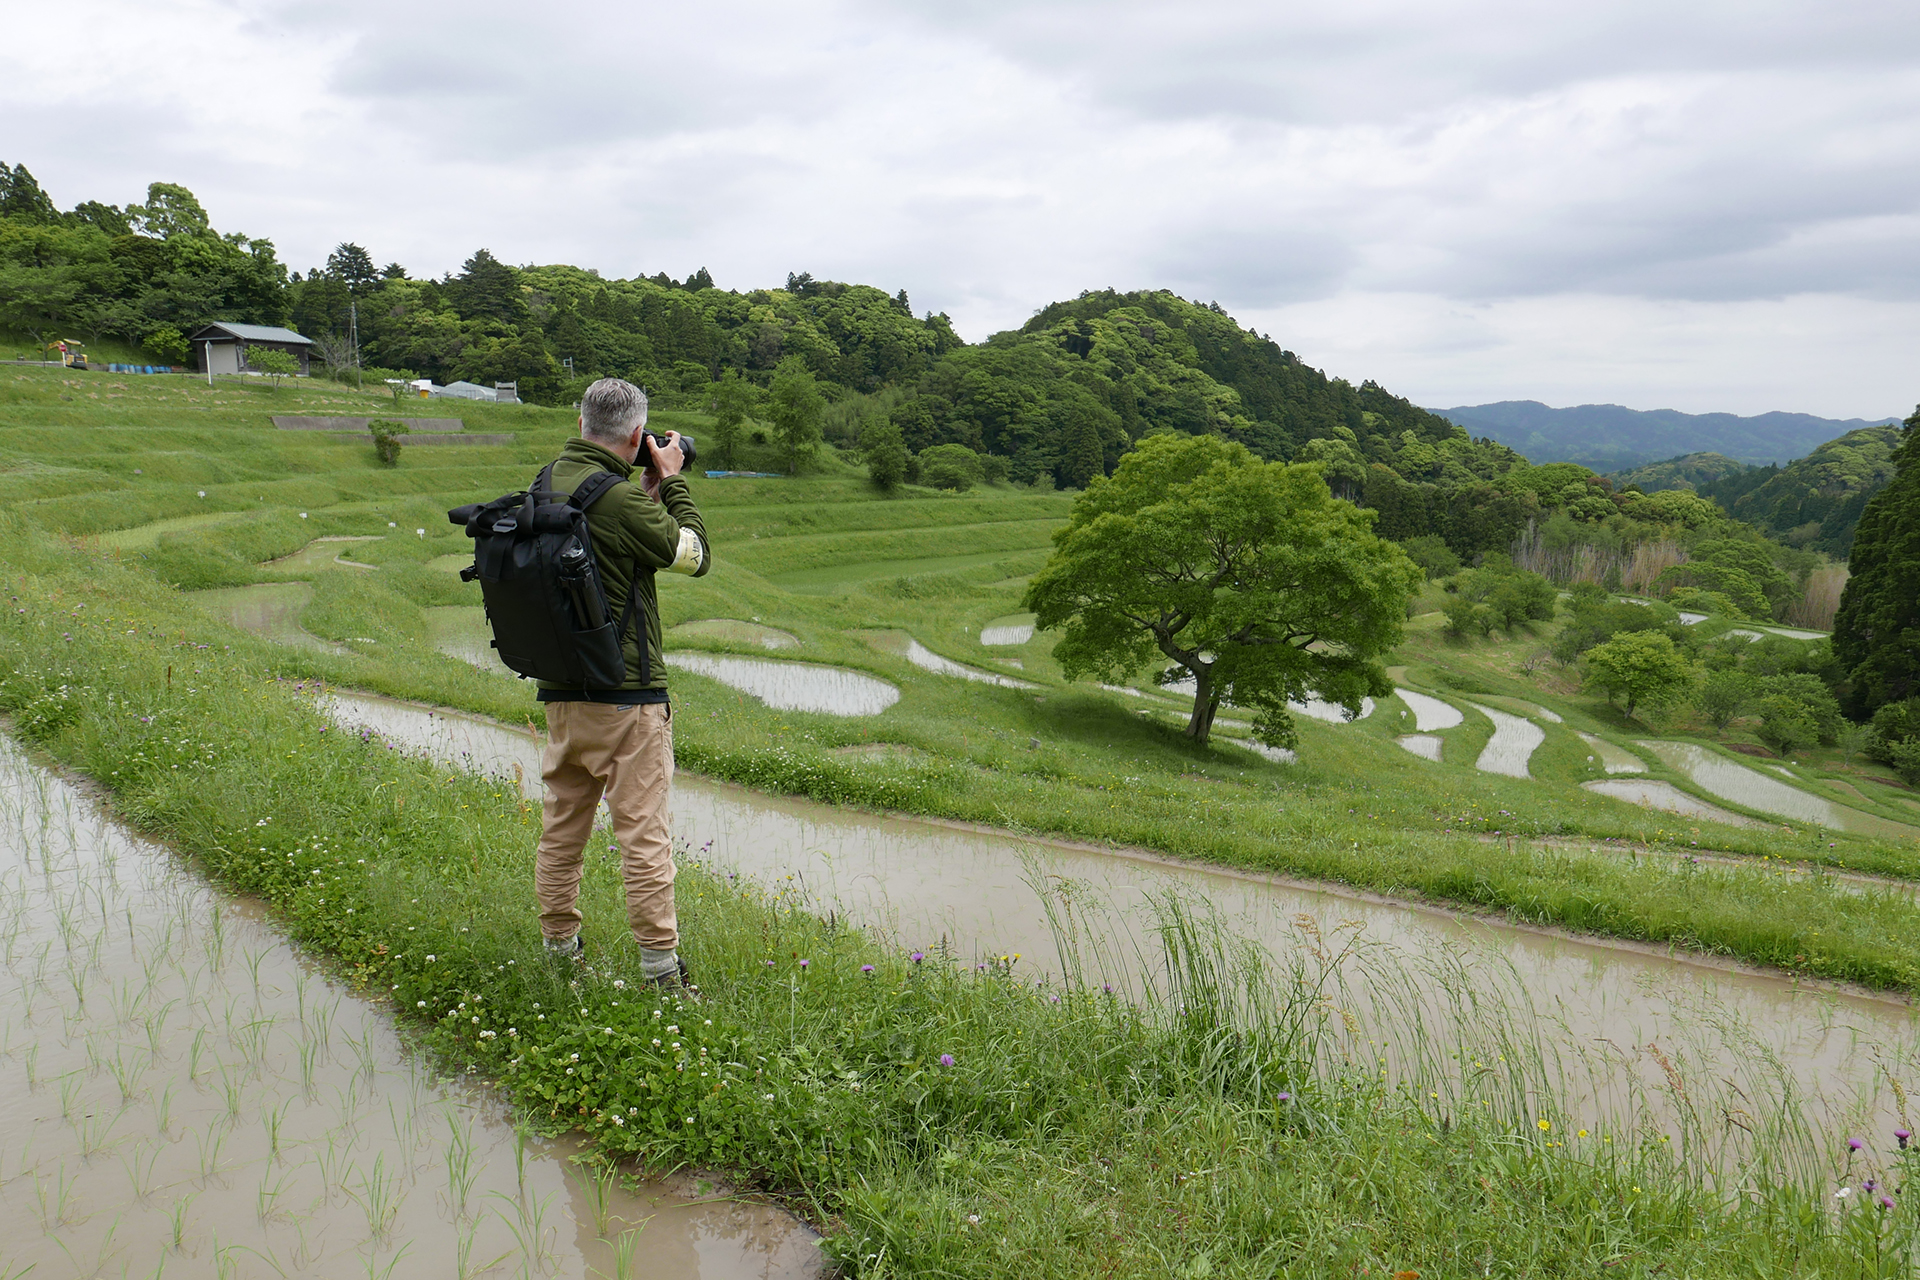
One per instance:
(169,1059)
(1512,744)
(734,631)
(1614,758)
(270,610)
(794,686)
(1668,798)
(1430,713)
(1713,772)
(1014,628)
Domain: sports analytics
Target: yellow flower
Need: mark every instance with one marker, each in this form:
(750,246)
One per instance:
(1583,1133)
(1546,1125)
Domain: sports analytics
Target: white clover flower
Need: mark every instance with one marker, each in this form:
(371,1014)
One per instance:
(421,1005)
(619,984)
(620,1120)
(767,1097)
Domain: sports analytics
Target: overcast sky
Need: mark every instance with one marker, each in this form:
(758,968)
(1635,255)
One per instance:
(1708,206)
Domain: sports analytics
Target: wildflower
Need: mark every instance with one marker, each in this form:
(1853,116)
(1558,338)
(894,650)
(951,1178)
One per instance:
(1283,1096)
(1546,1126)
(1885,1202)
(917,956)
(866,968)
(1901,1136)
(767,1097)
(431,959)
(973,1219)
(689,1119)
(1854,1144)
(805,963)
(1843,1193)
(673,1028)
(1870,1186)
(946,1059)
(620,1120)
(422,1004)
(619,984)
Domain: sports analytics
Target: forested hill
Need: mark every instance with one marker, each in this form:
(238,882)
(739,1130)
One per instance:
(1610,437)
(1689,471)
(1813,502)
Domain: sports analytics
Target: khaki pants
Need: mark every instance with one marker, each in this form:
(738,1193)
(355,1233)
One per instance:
(627,754)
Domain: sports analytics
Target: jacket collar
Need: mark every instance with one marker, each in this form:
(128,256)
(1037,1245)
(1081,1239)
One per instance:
(579,449)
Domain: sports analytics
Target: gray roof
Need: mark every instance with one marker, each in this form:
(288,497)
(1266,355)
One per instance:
(253,332)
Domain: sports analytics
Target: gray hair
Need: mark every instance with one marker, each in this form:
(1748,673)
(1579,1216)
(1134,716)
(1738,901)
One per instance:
(611,409)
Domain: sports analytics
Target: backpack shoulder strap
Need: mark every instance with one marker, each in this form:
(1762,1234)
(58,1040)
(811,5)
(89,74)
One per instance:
(592,488)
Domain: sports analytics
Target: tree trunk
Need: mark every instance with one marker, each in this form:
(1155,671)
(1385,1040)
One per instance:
(1205,704)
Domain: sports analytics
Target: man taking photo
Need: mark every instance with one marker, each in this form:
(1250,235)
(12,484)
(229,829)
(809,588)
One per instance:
(618,742)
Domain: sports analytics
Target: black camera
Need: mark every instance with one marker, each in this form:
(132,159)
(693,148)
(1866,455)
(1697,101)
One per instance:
(687,450)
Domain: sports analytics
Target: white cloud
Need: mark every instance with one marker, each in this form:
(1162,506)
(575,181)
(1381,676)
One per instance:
(1438,197)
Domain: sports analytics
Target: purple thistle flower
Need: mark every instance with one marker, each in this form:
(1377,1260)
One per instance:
(946,1059)
(805,963)
(1886,1202)
(1284,1096)
(917,956)
(866,968)
(1901,1136)
(1854,1144)
(769,964)
(1870,1186)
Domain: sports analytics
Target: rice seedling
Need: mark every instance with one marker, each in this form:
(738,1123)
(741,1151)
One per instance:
(177,1222)
(461,1172)
(465,1267)
(309,1051)
(127,1074)
(274,1119)
(267,1198)
(232,1089)
(386,1272)
(209,1144)
(140,1169)
(32,1062)
(528,1225)
(597,1181)
(69,1094)
(194,1051)
(625,1245)
(163,1110)
(379,1197)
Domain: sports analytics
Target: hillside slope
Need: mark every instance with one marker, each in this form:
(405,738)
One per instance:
(1611,437)
(1815,501)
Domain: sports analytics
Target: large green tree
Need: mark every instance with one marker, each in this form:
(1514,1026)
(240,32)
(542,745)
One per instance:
(1876,633)
(795,407)
(1248,575)
(1643,667)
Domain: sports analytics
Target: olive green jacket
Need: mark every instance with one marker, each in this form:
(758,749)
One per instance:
(633,538)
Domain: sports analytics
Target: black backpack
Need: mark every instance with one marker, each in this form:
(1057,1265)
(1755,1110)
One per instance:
(533,558)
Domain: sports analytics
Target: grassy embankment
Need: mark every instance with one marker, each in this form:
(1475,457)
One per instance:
(1076,1137)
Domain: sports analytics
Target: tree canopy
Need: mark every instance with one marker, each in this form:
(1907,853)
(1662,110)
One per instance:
(1249,576)
(1876,633)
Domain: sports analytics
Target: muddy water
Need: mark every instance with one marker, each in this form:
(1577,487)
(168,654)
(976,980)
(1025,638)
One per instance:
(324,553)
(1721,776)
(794,686)
(1613,757)
(1511,745)
(1668,798)
(899,642)
(267,609)
(1592,1009)
(1430,713)
(181,1095)
(1015,628)
(1425,745)
(734,631)
(461,631)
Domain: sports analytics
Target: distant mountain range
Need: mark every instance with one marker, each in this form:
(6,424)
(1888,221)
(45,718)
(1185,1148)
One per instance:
(1611,437)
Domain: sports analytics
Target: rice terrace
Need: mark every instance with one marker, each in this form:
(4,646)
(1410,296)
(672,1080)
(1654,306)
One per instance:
(1570,930)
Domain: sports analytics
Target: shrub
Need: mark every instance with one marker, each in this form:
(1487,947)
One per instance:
(1722,696)
(1431,553)
(1643,667)
(1786,724)
(950,466)
(386,438)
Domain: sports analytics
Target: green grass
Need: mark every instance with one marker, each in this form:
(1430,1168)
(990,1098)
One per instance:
(1233,1127)
(1087,1136)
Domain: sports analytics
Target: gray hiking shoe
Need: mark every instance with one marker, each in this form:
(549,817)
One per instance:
(566,948)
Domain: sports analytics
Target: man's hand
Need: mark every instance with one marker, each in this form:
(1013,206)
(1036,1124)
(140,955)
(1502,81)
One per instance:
(668,461)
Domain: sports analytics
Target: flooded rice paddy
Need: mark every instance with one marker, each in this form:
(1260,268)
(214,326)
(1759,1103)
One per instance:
(182,1094)
(324,553)
(794,686)
(1512,744)
(1431,713)
(461,631)
(1668,798)
(1613,757)
(1425,745)
(734,631)
(905,646)
(1714,773)
(1604,1015)
(270,610)
(1015,628)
